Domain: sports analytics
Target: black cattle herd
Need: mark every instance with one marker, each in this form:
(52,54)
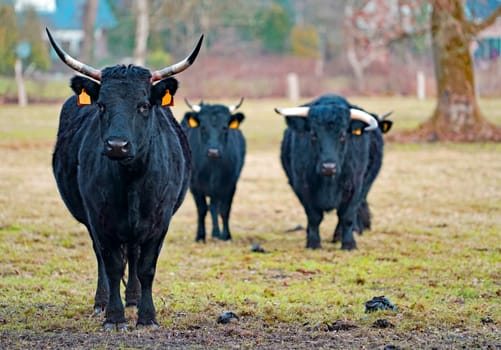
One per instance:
(123,165)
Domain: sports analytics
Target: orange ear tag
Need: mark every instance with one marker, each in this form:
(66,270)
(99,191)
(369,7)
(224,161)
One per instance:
(83,98)
(168,99)
(192,122)
(357,132)
(234,124)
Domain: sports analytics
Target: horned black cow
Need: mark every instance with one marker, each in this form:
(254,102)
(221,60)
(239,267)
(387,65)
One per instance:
(218,152)
(122,166)
(331,153)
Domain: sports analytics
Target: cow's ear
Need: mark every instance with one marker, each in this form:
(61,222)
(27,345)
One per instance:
(357,127)
(191,120)
(299,124)
(385,126)
(87,90)
(235,120)
(162,93)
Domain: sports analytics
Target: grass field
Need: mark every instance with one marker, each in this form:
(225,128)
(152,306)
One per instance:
(434,251)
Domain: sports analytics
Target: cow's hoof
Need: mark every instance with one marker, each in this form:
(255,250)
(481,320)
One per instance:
(200,240)
(98,309)
(112,326)
(349,245)
(315,245)
(151,324)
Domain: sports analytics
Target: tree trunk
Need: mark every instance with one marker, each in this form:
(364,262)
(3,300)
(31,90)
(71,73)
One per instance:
(142,31)
(457,116)
(88,40)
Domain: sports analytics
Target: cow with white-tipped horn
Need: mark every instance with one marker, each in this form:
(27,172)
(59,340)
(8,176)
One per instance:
(218,152)
(332,152)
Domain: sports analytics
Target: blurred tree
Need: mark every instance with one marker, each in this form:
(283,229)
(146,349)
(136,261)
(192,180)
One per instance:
(31,32)
(142,31)
(8,39)
(305,41)
(89,19)
(273,27)
(378,24)
(457,116)
(119,39)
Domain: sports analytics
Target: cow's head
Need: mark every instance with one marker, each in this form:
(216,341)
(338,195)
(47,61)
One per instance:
(125,98)
(329,127)
(213,123)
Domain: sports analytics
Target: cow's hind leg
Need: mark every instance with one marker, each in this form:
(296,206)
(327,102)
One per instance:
(115,265)
(133,289)
(363,217)
(103,289)
(225,210)
(346,217)
(146,272)
(201,204)
(214,212)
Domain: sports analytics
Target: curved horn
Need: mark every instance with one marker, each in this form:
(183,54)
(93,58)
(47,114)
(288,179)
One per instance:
(177,67)
(385,115)
(365,117)
(194,108)
(73,63)
(233,108)
(293,111)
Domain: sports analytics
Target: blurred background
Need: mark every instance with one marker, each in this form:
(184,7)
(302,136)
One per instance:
(257,49)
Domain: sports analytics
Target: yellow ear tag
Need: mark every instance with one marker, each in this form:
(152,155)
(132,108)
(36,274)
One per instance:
(168,99)
(83,98)
(357,132)
(192,122)
(385,127)
(234,124)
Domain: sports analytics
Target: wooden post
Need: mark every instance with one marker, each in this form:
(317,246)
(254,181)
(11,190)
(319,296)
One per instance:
(22,98)
(292,87)
(420,85)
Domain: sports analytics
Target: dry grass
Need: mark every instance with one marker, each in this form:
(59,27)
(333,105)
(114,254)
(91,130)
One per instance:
(433,251)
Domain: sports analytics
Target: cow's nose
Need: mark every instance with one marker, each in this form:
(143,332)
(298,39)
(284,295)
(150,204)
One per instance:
(116,148)
(328,169)
(213,153)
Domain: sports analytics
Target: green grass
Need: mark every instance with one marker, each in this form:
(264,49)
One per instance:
(434,249)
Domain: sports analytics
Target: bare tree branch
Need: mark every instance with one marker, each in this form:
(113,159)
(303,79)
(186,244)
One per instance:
(474,28)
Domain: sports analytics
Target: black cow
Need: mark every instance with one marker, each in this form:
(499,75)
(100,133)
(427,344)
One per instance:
(331,153)
(218,152)
(122,166)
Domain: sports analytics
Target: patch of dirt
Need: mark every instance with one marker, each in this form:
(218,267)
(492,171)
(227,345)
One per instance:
(242,335)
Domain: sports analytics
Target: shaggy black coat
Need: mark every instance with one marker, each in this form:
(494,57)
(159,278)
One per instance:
(329,136)
(127,202)
(218,152)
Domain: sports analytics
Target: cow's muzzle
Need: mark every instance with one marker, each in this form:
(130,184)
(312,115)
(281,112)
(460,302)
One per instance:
(116,148)
(213,153)
(328,169)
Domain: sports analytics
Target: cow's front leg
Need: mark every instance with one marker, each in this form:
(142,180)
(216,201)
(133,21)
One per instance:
(312,233)
(146,315)
(133,289)
(114,264)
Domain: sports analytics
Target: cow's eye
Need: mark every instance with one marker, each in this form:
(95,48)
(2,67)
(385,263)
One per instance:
(143,108)
(100,106)
(313,136)
(225,128)
(342,137)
